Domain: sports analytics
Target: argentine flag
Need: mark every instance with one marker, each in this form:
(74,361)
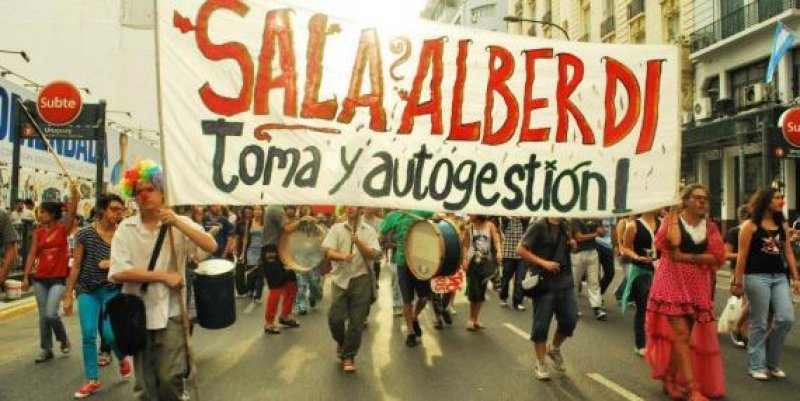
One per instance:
(783,41)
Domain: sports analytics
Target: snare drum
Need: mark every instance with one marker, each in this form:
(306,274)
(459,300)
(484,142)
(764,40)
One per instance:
(301,250)
(432,249)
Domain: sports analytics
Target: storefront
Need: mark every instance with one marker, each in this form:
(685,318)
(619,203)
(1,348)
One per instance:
(735,156)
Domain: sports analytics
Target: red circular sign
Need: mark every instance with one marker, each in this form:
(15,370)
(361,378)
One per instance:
(790,126)
(59,103)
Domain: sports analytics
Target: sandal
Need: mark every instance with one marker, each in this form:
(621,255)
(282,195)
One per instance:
(289,322)
(104,360)
(471,326)
(695,394)
(272,330)
(671,389)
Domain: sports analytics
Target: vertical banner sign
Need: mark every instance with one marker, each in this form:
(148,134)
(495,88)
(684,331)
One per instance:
(284,102)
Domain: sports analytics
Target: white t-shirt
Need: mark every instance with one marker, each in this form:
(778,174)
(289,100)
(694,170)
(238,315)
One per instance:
(338,239)
(132,247)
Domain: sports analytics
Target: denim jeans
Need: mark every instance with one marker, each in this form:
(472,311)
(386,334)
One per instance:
(512,268)
(309,287)
(640,291)
(90,308)
(763,291)
(397,298)
(49,293)
(606,256)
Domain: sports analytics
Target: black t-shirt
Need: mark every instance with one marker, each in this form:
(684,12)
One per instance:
(766,252)
(551,242)
(732,238)
(585,227)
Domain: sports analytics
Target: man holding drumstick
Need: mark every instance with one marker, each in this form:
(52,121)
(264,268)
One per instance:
(351,246)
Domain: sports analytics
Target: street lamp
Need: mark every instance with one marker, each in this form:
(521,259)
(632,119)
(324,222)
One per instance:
(20,52)
(511,18)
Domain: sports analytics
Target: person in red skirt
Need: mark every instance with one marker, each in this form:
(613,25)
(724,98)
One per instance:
(682,344)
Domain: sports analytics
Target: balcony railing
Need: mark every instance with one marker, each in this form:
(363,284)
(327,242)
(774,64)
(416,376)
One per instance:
(635,8)
(739,20)
(608,26)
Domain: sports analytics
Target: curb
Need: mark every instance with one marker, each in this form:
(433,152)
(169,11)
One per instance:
(24,306)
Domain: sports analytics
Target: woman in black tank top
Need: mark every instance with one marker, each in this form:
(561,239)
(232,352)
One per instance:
(762,274)
(638,246)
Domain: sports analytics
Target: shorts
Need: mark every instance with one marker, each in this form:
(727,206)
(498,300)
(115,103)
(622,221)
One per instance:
(409,284)
(476,286)
(559,303)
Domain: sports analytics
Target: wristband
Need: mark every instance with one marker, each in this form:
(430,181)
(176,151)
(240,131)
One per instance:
(735,285)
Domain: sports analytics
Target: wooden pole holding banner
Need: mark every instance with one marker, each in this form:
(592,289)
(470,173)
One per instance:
(190,365)
(44,139)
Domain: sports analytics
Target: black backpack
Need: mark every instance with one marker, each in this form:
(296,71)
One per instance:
(126,312)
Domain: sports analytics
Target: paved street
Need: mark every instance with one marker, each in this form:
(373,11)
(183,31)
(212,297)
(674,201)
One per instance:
(242,363)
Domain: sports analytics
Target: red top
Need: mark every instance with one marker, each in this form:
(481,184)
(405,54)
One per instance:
(52,252)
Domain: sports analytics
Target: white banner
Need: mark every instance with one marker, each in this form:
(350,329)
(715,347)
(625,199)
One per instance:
(282,102)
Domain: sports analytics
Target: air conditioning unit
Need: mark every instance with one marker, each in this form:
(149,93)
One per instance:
(752,94)
(702,109)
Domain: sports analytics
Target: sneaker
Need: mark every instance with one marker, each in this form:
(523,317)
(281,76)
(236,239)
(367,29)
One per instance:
(519,307)
(302,312)
(639,352)
(761,376)
(737,339)
(65,348)
(312,302)
(600,314)
(44,356)
(451,310)
(125,368)
(348,366)
(257,301)
(503,303)
(339,351)
(411,340)
(540,371)
(580,313)
(87,389)
(417,328)
(558,361)
(778,373)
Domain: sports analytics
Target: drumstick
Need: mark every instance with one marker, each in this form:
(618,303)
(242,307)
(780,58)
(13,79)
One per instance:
(186,325)
(355,229)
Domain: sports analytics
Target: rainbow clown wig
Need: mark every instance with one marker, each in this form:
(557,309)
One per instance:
(143,172)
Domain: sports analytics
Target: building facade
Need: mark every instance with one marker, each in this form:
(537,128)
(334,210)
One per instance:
(480,14)
(733,143)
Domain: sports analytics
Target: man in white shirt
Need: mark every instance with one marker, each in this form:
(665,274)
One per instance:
(160,365)
(351,252)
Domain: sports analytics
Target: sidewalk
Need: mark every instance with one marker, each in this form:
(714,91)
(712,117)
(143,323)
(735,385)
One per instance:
(17,307)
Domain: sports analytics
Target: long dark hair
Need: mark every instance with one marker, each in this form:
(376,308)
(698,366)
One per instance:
(760,204)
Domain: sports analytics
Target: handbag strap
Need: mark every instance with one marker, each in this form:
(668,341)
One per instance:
(162,232)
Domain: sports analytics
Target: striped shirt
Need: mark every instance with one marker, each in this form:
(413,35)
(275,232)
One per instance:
(95,250)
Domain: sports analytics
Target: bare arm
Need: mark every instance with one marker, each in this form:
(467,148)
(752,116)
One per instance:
(72,208)
(8,260)
(204,240)
(789,252)
(745,236)
(626,247)
(77,259)
(497,243)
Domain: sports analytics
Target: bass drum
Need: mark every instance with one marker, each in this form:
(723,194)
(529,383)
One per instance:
(301,250)
(433,249)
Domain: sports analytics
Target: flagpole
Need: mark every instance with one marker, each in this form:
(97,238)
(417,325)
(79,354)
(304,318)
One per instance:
(190,363)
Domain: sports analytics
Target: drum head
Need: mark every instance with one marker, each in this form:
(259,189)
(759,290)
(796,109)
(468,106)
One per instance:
(301,250)
(214,267)
(424,249)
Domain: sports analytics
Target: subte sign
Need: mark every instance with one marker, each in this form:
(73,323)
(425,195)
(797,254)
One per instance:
(59,103)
